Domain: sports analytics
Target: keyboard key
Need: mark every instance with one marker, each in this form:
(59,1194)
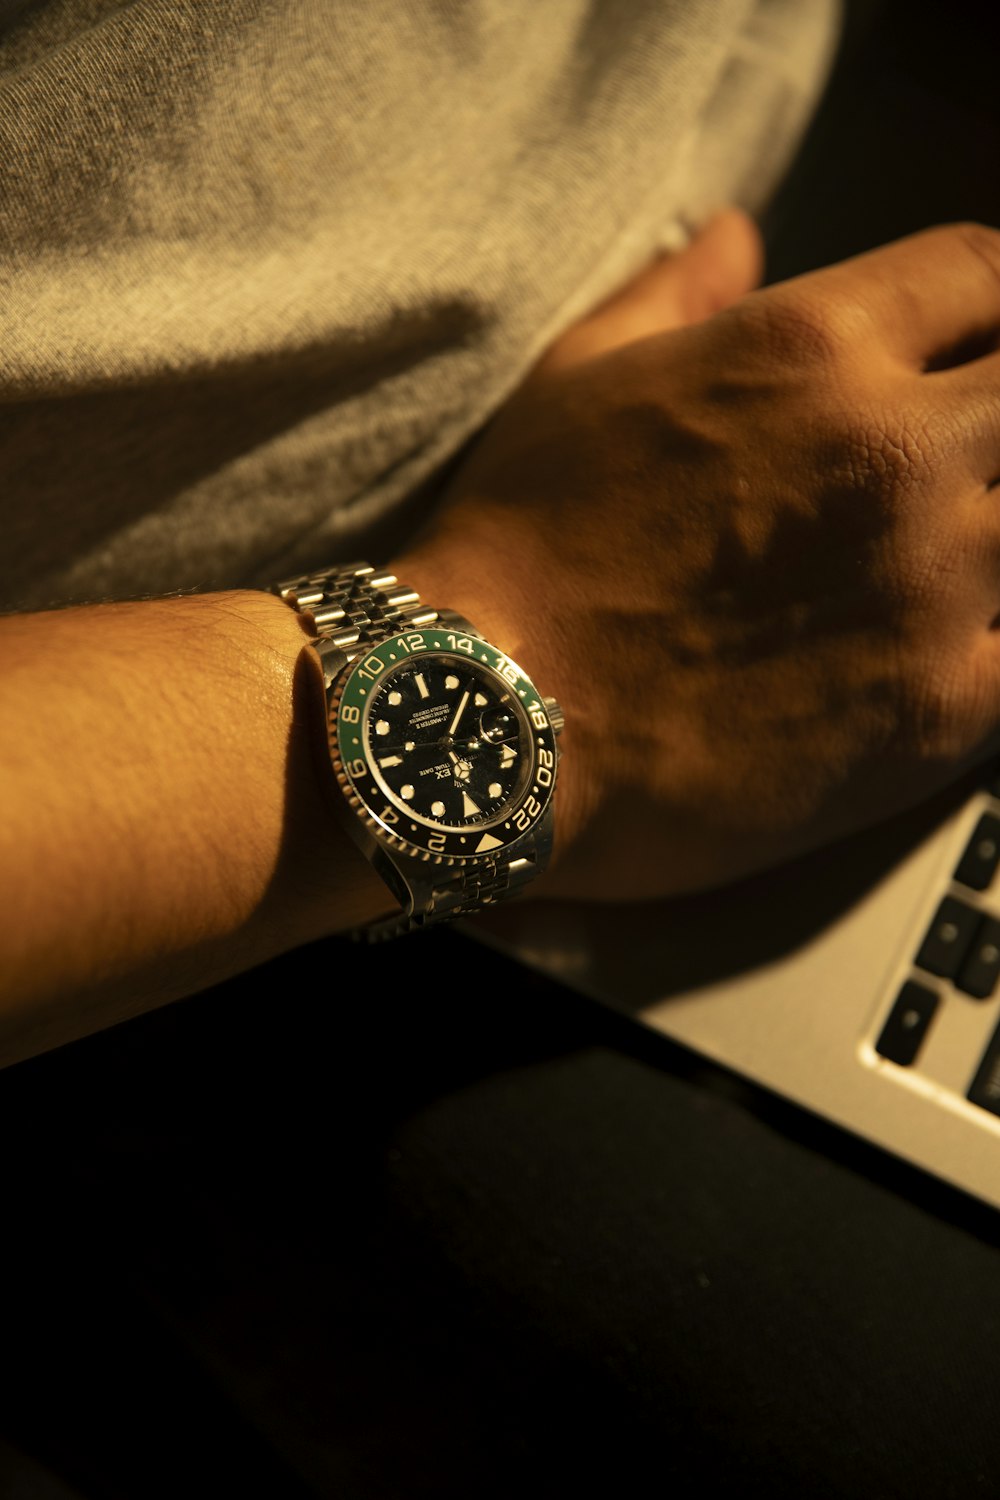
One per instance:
(949,938)
(978,864)
(907,1025)
(979,973)
(985,1090)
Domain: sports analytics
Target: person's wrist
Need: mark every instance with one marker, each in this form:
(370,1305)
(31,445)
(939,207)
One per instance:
(322,882)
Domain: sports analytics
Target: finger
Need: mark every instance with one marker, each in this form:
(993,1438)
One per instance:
(963,403)
(930,293)
(721,264)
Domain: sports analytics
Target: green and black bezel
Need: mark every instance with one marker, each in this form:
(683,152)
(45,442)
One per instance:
(442,745)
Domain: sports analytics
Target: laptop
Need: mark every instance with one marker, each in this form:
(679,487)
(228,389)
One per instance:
(862,982)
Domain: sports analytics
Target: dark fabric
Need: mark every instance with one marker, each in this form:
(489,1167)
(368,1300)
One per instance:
(454,1232)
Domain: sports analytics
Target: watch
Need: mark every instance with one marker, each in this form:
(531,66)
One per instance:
(443,752)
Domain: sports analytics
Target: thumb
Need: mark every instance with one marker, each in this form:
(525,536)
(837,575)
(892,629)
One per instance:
(723,262)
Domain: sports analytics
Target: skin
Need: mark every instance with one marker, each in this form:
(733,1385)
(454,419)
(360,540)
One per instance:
(760,556)
(756,538)
(165,823)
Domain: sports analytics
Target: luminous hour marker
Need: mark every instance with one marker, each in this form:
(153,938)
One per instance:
(437,808)
(468,806)
(409,746)
(390,760)
(451,682)
(382,727)
(406,792)
(395,699)
(495,788)
(422,687)
(480,700)
(508,755)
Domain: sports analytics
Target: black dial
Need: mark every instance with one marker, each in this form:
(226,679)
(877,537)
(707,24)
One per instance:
(448,741)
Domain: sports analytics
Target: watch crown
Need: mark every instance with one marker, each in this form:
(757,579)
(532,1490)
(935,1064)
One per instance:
(556,715)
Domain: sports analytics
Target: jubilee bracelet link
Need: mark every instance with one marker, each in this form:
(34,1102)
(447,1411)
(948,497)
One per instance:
(355,606)
(466,891)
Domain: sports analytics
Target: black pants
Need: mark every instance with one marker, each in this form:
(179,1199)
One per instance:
(328,1237)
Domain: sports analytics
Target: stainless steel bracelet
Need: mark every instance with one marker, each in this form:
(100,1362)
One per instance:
(355,607)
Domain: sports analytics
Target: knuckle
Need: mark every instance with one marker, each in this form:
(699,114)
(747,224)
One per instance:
(798,325)
(887,458)
(980,242)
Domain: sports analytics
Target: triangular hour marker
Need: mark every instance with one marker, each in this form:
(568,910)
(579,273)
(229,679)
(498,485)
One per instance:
(468,806)
(488,842)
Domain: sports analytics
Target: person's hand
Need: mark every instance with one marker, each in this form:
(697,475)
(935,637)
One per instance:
(756,559)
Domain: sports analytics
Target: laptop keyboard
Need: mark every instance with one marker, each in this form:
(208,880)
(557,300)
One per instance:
(957,962)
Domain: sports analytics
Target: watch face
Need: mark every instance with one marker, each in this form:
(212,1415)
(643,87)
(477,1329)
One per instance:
(444,743)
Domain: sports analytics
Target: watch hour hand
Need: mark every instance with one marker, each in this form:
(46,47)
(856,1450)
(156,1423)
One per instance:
(395,751)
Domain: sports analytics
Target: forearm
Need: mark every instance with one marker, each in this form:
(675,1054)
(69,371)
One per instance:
(165,823)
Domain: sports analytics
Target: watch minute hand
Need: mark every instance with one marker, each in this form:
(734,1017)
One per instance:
(460,710)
